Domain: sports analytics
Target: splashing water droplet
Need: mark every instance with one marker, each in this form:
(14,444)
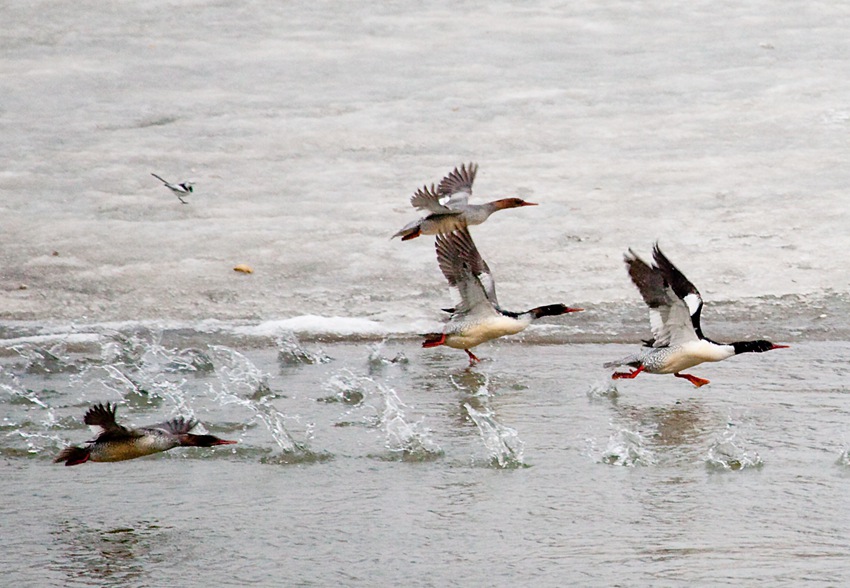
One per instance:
(409,440)
(292,353)
(627,448)
(503,442)
(346,387)
(725,454)
(377,359)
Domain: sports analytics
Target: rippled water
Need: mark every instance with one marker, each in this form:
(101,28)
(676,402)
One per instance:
(380,463)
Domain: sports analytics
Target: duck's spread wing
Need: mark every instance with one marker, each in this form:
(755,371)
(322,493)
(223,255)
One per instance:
(431,200)
(682,287)
(459,181)
(103,416)
(669,318)
(466,271)
(177,426)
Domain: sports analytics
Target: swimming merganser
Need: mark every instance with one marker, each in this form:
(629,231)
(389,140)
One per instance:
(478,317)
(449,205)
(180,190)
(674,316)
(117,443)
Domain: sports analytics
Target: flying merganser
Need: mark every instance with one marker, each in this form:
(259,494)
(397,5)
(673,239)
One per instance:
(478,317)
(117,443)
(449,206)
(674,315)
(180,190)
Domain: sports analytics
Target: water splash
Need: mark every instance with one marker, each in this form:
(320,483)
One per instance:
(241,383)
(11,385)
(503,442)
(606,390)
(43,360)
(725,455)
(378,361)
(410,441)
(346,387)
(139,369)
(291,353)
(844,457)
(36,443)
(627,448)
(242,376)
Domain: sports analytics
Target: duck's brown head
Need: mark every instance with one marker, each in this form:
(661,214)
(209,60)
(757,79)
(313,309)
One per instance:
(512,203)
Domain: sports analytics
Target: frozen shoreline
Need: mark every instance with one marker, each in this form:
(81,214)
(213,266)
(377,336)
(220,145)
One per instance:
(721,131)
(788,319)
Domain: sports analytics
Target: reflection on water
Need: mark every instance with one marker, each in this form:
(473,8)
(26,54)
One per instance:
(88,555)
(645,435)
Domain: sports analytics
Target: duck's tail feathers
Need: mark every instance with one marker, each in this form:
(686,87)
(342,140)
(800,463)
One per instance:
(73,455)
(631,360)
(410,231)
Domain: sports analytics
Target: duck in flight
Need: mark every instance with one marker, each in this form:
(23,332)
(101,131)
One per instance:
(117,442)
(674,315)
(478,317)
(180,190)
(448,205)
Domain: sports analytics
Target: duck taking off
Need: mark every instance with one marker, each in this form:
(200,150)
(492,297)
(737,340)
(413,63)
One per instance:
(117,443)
(674,315)
(448,205)
(478,317)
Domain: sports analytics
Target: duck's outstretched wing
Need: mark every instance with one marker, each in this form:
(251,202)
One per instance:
(103,416)
(682,287)
(430,200)
(177,426)
(669,317)
(466,271)
(459,181)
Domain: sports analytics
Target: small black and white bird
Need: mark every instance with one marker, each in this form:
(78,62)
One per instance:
(478,317)
(674,317)
(179,190)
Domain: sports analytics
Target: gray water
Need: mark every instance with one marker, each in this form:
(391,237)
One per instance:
(387,464)
(719,129)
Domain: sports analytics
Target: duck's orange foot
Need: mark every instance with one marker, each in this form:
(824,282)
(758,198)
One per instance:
(472,359)
(698,382)
(626,375)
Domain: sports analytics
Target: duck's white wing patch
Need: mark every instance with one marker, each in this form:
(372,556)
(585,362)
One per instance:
(455,202)
(429,199)
(466,271)
(677,327)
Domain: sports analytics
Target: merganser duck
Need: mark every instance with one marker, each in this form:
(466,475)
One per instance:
(674,315)
(117,443)
(478,317)
(449,205)
(180,190)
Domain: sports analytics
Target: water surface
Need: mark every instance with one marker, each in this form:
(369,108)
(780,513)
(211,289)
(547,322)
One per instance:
(386,464)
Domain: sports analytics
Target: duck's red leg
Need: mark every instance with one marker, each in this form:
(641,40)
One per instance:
(626,375)
(472,359)
(434,340)
(693,379)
